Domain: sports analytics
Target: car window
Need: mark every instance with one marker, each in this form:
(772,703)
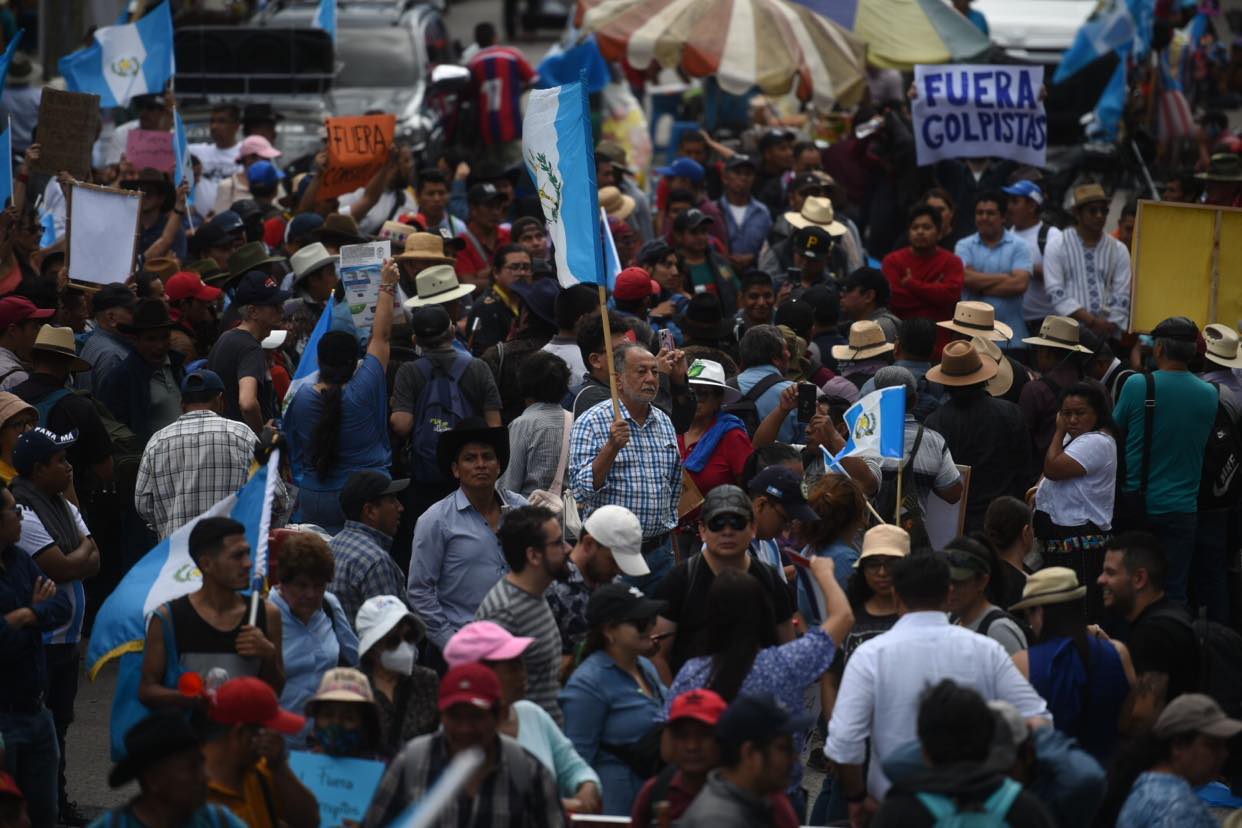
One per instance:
(376,57)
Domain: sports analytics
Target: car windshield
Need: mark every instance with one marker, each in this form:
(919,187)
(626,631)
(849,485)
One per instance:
(376,57)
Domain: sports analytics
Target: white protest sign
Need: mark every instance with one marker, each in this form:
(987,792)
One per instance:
(964,111)
(360,275)
(101,229)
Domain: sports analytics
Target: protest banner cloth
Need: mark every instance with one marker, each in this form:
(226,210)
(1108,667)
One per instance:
(357,147)
(967,111)
(344,787)
(360,276)
(150,148)
(102,231)
(68,122)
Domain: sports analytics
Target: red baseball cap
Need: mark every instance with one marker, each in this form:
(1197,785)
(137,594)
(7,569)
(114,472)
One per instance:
(250,700)
(635,283)
(189,285)
(273,234)
(704,706)
(473,684)
(17,309)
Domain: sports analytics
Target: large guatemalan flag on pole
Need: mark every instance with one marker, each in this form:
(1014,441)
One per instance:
(560,156)
(163,574)
(124,61)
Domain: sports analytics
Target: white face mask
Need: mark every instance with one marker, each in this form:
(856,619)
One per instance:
(400,659)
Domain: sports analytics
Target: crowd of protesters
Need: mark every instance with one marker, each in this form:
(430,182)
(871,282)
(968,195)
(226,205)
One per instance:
(621,551)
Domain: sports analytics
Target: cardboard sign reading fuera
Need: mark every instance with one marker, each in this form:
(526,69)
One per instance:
(357,147)
(150,148)
(68,123)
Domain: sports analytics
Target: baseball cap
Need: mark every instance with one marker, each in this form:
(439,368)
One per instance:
(226,221)
(114,295)
(751,718)
(683,168)
(202,381)
(483,193)
(740,160)
(37,446)
(966,564)
(1175,327)
(251,701)
(773,137)
(635,283)
(258,288)
(189,285)
(484,641)
(302,227)
(727,500)
(365,487)
(264,172)
(1026,189)
(813,242)
(617,528)
(653,251)
(620,602)
(690,219)
(257,145)
(17,309)
(808,180)
(473,684)
(782,485)
(704,706)
(430,322)
(1196,713)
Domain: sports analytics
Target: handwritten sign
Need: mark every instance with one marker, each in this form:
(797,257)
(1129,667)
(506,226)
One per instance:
(964,111)
(68,122)
(344,787)
(357,147)
(360,275)
(150,148)
(102,229)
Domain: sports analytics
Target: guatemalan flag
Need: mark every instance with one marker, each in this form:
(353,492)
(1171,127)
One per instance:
(1108,32)
(560,156)
(877,425)
(124,61)
(307,372)
(6,163)
(163,574)
(325,18)
(183,170)
(7,58)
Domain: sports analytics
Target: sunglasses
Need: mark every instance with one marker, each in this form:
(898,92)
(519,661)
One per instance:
(875,564)
(734,522)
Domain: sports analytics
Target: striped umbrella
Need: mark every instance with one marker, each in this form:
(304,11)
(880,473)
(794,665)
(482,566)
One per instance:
(773,44)
(902,33)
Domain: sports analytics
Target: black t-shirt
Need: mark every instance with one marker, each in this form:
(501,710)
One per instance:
(235,355)
(866,627)
(685,590)
(1160,644)
(73,412)
(1012,583)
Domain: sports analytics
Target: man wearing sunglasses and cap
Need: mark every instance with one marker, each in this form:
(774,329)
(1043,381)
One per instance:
(1086,271)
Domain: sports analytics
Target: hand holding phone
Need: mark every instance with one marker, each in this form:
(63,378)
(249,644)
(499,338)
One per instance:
(807,394)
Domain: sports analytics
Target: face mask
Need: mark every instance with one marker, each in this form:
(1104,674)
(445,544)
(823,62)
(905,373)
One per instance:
(337,740)
(400,659)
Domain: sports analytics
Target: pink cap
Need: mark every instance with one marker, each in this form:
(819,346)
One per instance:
(484,641)
(257,145)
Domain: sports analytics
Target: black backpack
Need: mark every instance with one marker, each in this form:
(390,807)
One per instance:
(747,408)
(1220,657)
(1220,486)
(996,614)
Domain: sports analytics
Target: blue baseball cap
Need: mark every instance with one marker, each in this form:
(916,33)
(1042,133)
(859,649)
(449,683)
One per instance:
(39,445)
(683,168)
(264,172)
(302,227)
(200,381)
(1027,189)
(227,221)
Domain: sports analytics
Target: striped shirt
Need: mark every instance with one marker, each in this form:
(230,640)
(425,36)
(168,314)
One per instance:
(645,476)
(1095,279)
(536,439)
(524,614)
(500,74)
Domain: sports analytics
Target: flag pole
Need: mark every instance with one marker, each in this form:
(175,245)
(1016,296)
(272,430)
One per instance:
(259,577)
(831,462)
(897,509)
(612,368)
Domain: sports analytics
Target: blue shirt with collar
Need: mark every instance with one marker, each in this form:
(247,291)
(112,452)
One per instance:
(752,234)
(1009,254)
(791,430)
(309,650)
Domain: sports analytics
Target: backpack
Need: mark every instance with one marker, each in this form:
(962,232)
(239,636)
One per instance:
(440,407)
(996,614)
(944,809)
(1220,657)
(747,408)
(126,445)
(1220,485)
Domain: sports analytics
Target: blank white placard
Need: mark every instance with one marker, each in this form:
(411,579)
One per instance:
(102,224)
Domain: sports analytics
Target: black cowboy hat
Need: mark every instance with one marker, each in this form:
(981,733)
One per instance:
(149,315)
(153,739)
(471,430)
(151,180)
(704,317)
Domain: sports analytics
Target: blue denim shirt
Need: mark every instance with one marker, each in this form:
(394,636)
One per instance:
(312,649)
(753,232)
(105,351)
(1010,254)
(791,430)
(602,703)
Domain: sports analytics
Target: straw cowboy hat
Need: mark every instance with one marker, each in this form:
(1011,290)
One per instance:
(977,319)
(866,341)
(1060,332)
(616,203)
(999,385)
(436,285)
(960,364)
(1088,194)
(424,247)
(817,211)
(1223,166)
(1053,585)
(1222,346)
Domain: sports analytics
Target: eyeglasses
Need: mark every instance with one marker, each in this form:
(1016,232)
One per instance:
(734,522)
(875,563)
(518,268)
(640,624)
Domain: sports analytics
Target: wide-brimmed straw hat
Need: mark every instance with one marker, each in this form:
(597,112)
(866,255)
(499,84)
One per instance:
(977,319)
(866,341)
(616,203)
(817,212)
(1054,585)
(1223,166)
(1059,332)
(436,285)
(1222,345)
(961,364)
(424,247)
(999,385)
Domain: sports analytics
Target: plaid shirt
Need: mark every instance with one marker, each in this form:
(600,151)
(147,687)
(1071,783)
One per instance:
(645,476)
(364,568)
(517,792)
(190,466)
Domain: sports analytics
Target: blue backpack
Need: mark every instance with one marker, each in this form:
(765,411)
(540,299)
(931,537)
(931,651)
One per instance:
(440,407)
(944,810)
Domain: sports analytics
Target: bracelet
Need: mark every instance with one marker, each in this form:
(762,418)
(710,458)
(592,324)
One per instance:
(391,290)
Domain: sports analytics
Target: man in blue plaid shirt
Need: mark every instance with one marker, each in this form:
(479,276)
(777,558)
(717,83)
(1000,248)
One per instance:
(364,568)
(632,460)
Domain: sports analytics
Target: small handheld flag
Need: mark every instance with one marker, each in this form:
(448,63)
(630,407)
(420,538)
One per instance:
(877,425)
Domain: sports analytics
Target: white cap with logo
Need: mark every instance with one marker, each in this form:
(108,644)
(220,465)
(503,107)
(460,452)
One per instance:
(617,528)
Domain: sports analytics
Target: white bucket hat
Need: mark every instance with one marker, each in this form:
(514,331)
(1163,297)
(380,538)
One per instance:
(711,374)
(378,616)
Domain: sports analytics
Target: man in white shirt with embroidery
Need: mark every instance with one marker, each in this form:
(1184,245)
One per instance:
(879,696)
